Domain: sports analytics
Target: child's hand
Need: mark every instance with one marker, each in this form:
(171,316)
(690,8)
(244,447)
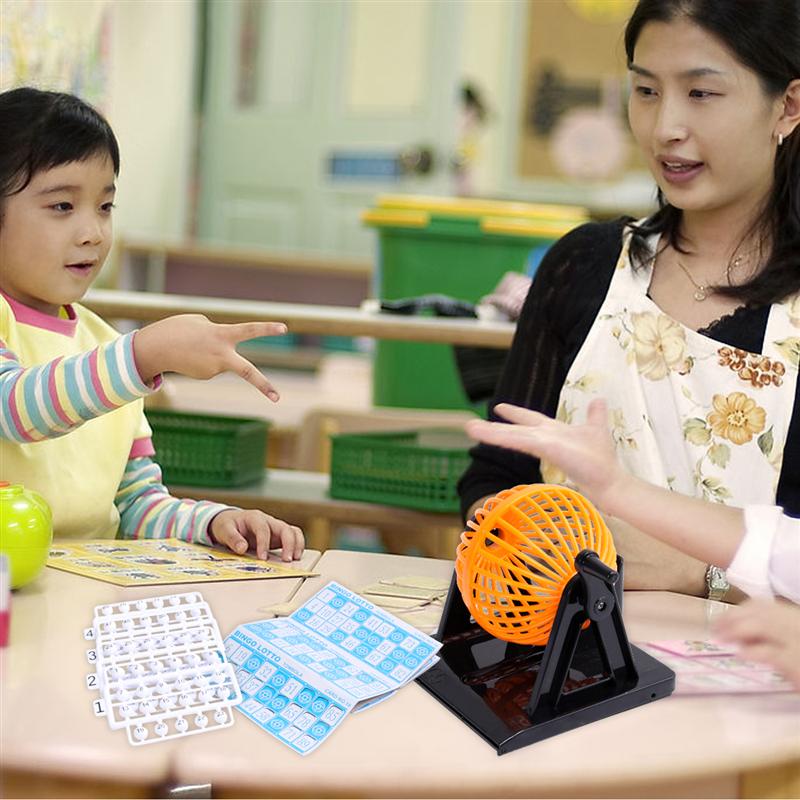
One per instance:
(241,531)
(584,452)
(768,632)
(192,345)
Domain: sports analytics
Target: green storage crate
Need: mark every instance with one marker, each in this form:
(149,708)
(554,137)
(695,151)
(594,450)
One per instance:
(461,248)
(208,450)
(415,469)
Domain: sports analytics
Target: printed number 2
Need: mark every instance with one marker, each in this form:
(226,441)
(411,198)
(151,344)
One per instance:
(91,681)
(99,708)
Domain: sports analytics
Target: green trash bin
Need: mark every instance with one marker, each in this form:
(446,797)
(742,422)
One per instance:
(457,247)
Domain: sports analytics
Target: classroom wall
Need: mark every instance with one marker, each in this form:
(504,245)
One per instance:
(136,60)
(133,59)
(486,41)
(151,108)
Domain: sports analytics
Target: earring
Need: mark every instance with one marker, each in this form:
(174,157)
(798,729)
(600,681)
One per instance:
(780,139)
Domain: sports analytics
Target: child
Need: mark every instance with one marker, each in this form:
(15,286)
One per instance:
(759,546)
(72,425)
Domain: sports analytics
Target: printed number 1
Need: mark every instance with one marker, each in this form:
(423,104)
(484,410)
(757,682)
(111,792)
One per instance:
(99,708)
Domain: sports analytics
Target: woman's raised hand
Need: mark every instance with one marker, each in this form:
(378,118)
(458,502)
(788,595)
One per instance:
(584,452)
(192,345)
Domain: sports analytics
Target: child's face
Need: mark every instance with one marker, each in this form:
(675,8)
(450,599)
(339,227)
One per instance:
(55,234)
(702,120)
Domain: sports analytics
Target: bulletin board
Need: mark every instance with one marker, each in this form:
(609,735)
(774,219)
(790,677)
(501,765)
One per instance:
(57,45)
(574,115)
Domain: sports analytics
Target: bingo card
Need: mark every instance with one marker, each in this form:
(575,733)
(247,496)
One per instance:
(301,675)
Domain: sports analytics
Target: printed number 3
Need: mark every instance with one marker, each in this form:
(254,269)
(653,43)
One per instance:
(91,655)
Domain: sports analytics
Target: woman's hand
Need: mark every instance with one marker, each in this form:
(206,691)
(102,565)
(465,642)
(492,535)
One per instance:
(241,531)
(630,505)
(584,452)
(192,345)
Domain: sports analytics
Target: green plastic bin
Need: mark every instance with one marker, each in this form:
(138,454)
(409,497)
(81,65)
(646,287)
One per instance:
(413,469)
(208,450)
(461,248)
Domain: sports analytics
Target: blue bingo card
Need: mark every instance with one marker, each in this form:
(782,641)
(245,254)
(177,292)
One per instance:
(300,676)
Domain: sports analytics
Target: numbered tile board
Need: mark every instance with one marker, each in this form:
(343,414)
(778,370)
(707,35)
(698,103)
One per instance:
(300,676)
(160,668)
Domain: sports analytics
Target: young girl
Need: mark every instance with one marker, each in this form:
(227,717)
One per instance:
(759,546)
(688,322)
(72,425)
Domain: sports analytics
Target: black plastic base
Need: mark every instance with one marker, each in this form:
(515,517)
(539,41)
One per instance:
(495,706)
(514,695)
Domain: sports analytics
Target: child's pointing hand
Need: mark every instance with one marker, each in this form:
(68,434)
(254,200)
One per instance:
(192,345)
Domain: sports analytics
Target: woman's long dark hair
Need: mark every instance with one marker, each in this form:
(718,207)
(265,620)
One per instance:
(764,37)
(40,130)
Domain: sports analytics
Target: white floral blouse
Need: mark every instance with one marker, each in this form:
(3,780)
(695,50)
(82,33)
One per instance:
(686,412)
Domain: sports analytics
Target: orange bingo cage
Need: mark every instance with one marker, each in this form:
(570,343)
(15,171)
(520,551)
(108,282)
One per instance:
(533,642)
(516,557)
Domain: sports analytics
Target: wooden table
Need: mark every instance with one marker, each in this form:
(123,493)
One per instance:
(300,318)
(51,744)
(411,746)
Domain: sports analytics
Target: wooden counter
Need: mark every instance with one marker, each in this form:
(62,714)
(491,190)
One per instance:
(227,270)
(300,318)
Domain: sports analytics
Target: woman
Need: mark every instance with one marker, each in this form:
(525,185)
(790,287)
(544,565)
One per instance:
(687,322)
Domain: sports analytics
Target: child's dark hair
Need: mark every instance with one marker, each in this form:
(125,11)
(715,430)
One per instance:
(40,130)
(765,38)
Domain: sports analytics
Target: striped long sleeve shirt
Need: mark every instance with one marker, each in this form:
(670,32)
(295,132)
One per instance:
(72,428)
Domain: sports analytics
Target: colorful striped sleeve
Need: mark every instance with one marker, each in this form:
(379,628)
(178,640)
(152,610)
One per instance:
(49,400)
(148,511)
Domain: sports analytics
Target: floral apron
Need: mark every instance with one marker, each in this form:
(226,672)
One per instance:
(686,412)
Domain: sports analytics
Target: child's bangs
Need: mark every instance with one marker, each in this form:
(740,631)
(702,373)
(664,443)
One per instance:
(70,131)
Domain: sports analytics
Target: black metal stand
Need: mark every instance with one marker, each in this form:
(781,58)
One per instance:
(514,695)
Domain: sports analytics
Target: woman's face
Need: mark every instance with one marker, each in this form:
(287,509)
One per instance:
(702,120)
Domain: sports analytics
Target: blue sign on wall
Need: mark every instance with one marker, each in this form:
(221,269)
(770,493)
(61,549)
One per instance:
(365,166)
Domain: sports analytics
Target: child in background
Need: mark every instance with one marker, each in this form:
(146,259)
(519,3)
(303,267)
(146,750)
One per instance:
(758,545)
(72,422)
